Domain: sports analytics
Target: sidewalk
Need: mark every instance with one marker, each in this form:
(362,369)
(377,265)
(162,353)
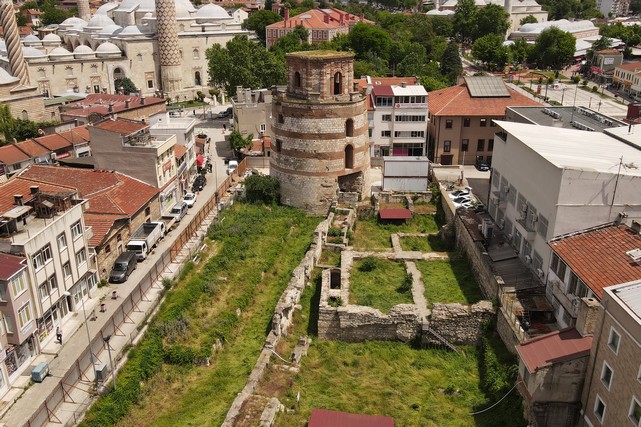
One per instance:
(74,398)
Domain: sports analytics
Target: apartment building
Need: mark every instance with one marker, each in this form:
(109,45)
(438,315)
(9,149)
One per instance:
(44,225)
(397,116)
(627,77)
(612,390)
(461,119)
(252,112)
(128,147)
(613,7)
(549,181)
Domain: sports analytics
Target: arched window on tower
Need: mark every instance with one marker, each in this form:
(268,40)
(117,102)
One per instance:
(338,84)
(349,157)
(25,115)
(296,79)
(197,80)
(196,54)
(349,127)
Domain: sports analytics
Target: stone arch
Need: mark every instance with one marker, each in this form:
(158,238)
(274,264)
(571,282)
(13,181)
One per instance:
(25,115)
(297,79)
(196,54)
(197,79)
(338,83)
(349,127)
(349,156)
(119,74)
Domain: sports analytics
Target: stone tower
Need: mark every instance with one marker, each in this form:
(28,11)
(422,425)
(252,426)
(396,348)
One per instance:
(12,39)
(169,52)
(83,10)
(320,129)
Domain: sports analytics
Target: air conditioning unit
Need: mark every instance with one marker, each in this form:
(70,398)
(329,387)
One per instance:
(528,259)
(539,273)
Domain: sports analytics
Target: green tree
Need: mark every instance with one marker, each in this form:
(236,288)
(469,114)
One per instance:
(292,42)
(489,49)
(7,123)
(554,48)
(258,20)
(55,15)
(520,51)
(491,19)
(464,21)
(238,142)
(25,129)
(451,66)
(414,62)
(262,189)
(442,25)
(127,86)
(530,19)
(370,65)
(432,83)
(364,38)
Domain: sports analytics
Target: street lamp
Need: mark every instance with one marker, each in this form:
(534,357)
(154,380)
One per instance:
(93,364)
(111,363)
(563,94)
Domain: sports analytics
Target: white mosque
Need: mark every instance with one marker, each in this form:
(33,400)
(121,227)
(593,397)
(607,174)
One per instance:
(159,44)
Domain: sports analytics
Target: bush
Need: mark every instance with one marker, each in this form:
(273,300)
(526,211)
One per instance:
(595,88)
(584,82)
(180,355)
(495,378)
(369,264)
(406,286)
(576,79)
(262,189)
(334,232)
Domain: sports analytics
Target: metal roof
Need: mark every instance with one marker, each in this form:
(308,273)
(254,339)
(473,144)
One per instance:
(630,295)
(557,346)
(417,90)
(486,86)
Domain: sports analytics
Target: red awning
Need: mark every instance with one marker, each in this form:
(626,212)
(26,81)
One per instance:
(63,155)
(200,160)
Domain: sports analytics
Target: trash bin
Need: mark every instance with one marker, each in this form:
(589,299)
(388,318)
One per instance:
(40,372)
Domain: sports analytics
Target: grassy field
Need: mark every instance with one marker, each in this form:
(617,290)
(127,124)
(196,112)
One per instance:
(382,287)
(418,387)
(429,243)
(258,249)
(370,235)
(449,281)
(329,257)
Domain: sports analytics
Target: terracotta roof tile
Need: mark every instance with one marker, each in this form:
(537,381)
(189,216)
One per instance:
(53,142)
(10,154)
(10,265)
(32,148)
(395,214)
(315,18)
(598,255)
(101,225)
(99,103)
(19,186)
(77,135)
(109,192)
(456,101)
(121,126)
(632,66)
(179,150)
(556,346)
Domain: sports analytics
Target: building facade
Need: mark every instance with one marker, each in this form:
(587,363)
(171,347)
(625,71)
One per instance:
(253,112)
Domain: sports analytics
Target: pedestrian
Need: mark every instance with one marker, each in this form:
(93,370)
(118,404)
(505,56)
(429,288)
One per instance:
(224,127)
(59,334)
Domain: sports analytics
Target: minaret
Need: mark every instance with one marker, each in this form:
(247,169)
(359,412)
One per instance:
(169,52)
(83,10)
(12,39)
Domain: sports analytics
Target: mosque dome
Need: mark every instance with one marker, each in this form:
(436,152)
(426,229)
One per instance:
(6,78)
(83,51)
(108,49)
(31,52)
(52,38)
(3,46)
(60,53)
(100,21)
(184,8)
(132,31)
(110,29)
(70,22)
(212,11)
(31,40)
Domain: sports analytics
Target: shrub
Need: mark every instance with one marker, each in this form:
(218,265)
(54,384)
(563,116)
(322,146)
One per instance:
(334,232)
(180,355)
(584,82)
(495,379)
(173,329)
(595,88)
(369,264)
(262,189)
(406,286)
(576,79)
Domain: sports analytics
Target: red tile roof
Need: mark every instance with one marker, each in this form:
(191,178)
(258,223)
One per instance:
(598,255)
(11,154)
(78,135)
(382,91)
(108,192)
(557,346)
(19,186)
(179,150)
(632,66)
(121,126)
(99,103)
(327,418)
(395,214)
(54,142)
(456,101)
(315,18)
(10,265)
(101,225)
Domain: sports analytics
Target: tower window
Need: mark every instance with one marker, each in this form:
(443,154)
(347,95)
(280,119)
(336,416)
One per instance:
(281,119)
(349,127)
(197,78)
(25,115)
(296,79)
(338,84)
(349,157)
(196,54)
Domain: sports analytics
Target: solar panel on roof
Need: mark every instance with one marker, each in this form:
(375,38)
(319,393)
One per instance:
(486,87)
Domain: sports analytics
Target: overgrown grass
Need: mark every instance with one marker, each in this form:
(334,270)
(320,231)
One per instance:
(449,281)
(258,251)
(329,257)
(380,284)
(431,243)
(418,387)
(371,235)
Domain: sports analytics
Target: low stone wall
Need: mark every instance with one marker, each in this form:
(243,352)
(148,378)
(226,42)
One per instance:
(458,323)
(357,323)
(506,332)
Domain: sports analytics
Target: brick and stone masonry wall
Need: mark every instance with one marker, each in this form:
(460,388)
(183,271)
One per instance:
(458,323)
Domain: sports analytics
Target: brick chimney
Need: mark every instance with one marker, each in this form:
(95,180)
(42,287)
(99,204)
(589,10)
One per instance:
(34,189)
(17,199)
(127,102)
(588,316)
(326,19)
(286,13)
(142,100)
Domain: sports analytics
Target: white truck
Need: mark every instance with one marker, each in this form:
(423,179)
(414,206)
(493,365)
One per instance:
(146,238)
(231,166)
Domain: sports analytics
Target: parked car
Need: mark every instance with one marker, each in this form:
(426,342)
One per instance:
(482,165)
(199,183)
(124,265)
(459,201)
(231,166)
(460,193)
(179,210)
(227,113)
(190,199)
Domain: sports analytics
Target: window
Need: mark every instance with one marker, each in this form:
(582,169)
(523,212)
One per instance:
(384,101)
(296,79)
(606,375)
(81,257)
(147,211)
(409,134)
(278,145)
(614,340)
(349,127)
(573,282)
(349,157)
(409,118)
(483,123)
(465,144)
(554,264)
(41,257)
(281,119)
(150,84)
(599,408)
(25,115)
(107,249)
(635,412)
(338,84)
(66,269)
(197,80)
(542,226)
(448,124)
(18,285)
(41,73)
(466,122)
(262,127)
(480,145)
(370,131)
(139,57)
(44,291)
(490,144)
(386,118)
(196,54)
(62,242)
(76,230)
(386,133)
(24,314)
(8,323)
(447,146)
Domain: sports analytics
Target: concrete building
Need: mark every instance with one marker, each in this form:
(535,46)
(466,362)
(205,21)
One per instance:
(612,392)
(549,181)
(117,206)
(563,117)
(613,7)
(129,148)
(516,9)
(44,224)
(397,117)
(579,29)
(461,119)
(627,77)
(604,63)
(320,146)
(253,112)
(322,25)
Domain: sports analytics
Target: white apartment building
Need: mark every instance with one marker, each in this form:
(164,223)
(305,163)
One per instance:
(397,118)
(613,7)
(628,77)
(551,181)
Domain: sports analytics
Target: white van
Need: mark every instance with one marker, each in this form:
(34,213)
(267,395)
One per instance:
(179,210)
(233,164)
